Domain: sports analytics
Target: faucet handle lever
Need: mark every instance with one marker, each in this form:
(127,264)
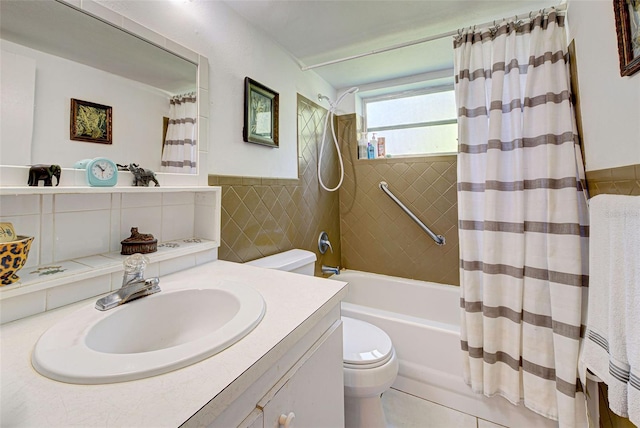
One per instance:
(323,243)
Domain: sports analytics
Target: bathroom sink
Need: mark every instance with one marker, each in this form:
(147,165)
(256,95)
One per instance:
(149,336)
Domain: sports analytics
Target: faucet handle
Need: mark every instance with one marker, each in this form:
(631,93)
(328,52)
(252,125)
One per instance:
(323,243)
(135,263)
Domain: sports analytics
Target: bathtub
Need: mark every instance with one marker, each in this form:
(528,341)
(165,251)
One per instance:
(422,319)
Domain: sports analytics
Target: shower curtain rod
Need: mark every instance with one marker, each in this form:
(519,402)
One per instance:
(562,7)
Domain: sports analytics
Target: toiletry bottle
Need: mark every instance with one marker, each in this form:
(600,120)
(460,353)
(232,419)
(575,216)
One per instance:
(382,152)
(362,147)
(372,147)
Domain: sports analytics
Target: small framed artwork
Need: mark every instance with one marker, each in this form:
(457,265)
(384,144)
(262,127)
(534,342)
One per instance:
(90,122)
(260,114)
(627,13)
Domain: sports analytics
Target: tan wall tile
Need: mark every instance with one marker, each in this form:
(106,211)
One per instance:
(368,231)
(377,236)
(264,216)
(623,180)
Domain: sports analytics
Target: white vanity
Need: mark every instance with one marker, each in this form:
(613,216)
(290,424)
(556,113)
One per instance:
(290,363)
(289,367)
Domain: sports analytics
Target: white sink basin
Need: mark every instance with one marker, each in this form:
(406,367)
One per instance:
(150,336)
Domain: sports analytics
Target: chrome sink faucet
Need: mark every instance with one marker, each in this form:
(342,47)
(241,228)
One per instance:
(134,285)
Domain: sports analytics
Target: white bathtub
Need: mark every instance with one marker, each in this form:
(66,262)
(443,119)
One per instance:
(422,319)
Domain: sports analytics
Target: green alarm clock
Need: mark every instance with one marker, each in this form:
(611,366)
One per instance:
(102,172)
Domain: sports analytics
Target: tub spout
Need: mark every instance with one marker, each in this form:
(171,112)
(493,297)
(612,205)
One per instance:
(331,270)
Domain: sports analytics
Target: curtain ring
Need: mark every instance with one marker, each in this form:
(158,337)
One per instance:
(530,14)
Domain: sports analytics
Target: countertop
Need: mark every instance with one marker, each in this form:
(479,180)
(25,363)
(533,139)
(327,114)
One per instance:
(30,399)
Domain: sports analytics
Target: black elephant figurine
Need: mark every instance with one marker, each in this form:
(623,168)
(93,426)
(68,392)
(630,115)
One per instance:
(141,176)
(44,172)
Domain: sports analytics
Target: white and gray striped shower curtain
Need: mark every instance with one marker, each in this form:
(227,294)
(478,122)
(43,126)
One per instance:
(179,153)
(523,222)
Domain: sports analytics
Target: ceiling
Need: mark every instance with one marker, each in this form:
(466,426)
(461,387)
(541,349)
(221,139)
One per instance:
(315,31)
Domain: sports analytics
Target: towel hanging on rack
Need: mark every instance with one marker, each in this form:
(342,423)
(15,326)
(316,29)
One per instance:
(611,348)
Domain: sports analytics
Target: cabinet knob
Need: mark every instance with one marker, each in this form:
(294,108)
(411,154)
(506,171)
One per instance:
(287,420)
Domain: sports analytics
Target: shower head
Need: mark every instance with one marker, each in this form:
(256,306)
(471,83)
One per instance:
(347,92)
(323,97)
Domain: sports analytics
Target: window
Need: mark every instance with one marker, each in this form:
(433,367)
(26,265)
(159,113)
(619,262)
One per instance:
(419,123)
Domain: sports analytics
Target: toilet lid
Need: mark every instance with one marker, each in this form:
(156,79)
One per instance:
(364,344)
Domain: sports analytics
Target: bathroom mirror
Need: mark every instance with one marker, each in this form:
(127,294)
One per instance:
(52,53)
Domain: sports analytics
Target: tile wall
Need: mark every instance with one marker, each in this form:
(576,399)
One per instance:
(71,226)
(264,216)
(624,180)
(368,231)
(377,236)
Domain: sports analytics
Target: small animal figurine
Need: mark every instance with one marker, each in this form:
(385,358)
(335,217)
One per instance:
(142,243)
(44,172)
(141,176)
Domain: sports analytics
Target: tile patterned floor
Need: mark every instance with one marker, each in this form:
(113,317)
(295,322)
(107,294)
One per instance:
(407,411)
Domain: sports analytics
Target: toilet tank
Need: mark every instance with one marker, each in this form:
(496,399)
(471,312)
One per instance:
(296,260)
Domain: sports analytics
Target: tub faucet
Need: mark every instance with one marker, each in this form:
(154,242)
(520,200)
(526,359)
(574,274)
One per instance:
(331,270)
(134,285)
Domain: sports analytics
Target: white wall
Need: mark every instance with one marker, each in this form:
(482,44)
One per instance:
(610,103)
(18,74)
(137,113)
(235,50)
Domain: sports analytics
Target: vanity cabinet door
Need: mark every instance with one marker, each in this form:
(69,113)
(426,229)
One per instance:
(311,394)
(254,420)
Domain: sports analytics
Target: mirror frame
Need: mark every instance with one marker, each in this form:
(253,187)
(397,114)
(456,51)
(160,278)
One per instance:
(14,176)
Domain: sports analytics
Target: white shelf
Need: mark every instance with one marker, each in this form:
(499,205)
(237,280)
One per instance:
(54,190)
(39,278)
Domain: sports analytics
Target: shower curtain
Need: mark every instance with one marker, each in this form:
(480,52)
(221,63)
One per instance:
(523,223)
(179,153)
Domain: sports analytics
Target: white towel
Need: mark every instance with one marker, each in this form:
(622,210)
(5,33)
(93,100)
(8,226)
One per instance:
(612,342)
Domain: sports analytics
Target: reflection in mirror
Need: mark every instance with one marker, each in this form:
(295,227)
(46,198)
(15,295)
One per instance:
(52,53)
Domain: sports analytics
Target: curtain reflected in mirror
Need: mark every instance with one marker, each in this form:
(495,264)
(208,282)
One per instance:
(179,153)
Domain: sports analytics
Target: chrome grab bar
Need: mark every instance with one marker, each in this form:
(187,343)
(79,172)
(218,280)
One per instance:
(438,238)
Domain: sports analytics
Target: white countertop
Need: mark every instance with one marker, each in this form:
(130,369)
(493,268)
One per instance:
(29,399)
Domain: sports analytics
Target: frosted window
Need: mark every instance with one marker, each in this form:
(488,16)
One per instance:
(416,124)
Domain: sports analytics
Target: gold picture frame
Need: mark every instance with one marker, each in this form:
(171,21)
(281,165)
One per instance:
(260,114)
(90,122)
(627,13)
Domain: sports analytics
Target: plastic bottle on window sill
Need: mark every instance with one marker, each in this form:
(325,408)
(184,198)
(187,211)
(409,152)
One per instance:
(372,147)
(381,147)
(371,152)
(362,147)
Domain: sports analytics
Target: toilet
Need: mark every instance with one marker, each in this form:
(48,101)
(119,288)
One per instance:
(369,363)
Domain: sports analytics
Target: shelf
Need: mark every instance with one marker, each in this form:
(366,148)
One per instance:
(39,278)
(55,190)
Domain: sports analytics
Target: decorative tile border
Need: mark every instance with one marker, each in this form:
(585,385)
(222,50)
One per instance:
(624,180)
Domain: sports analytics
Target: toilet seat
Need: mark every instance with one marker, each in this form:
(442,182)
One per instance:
(365,346)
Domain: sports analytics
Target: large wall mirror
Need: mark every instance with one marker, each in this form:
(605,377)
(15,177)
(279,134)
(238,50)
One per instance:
(53,53)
